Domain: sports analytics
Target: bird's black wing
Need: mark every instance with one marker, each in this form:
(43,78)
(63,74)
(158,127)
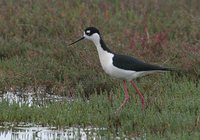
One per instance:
(131,63)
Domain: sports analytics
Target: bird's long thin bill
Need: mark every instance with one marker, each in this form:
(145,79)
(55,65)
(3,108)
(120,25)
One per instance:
(77,41)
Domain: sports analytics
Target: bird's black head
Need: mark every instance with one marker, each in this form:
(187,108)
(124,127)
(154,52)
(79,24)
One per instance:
(90,33)
(91,30)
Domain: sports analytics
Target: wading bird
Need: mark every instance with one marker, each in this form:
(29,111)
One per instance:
(119,66)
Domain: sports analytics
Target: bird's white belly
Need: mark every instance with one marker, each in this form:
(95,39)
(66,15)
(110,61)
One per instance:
(124,74)
(110,69)
(120,73)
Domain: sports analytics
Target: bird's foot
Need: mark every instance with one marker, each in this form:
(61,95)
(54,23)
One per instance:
(122,105)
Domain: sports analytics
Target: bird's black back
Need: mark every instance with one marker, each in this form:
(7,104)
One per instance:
(131,63)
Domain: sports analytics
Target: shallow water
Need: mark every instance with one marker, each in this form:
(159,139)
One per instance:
(29,131)
(30,98)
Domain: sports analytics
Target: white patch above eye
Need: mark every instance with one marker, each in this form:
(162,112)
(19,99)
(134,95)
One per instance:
(88,31)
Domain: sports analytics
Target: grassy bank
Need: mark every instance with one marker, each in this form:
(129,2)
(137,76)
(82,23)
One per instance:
(34,55)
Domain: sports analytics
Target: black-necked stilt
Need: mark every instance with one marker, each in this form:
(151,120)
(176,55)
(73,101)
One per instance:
(119,66)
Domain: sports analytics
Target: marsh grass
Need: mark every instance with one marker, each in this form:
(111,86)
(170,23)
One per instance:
(34,55)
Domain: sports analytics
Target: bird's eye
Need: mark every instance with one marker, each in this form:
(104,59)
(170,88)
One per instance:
(88,32)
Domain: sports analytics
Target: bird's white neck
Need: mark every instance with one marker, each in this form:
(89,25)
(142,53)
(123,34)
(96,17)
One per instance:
(96,41)
(100,47)
(105,55)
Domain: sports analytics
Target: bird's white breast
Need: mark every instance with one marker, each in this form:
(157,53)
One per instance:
(106,61)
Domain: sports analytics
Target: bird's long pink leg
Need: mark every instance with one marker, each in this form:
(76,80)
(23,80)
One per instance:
(139,93)
(126,97)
